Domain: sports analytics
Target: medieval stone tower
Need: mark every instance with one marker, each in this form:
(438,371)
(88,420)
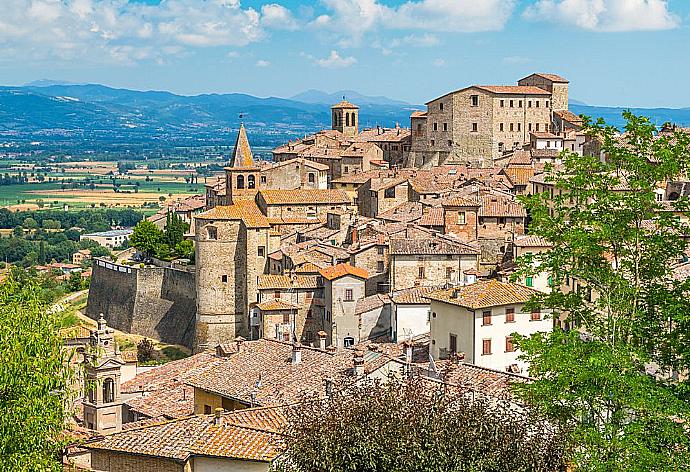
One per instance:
(102,403)
(345,118)
(232,245)
(552,83)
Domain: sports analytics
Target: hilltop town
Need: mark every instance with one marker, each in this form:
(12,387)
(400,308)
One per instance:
(355,254)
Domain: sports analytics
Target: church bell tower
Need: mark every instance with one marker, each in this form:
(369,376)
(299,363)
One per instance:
(345,118)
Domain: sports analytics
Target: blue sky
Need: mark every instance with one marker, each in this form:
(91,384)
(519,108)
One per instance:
(615,52)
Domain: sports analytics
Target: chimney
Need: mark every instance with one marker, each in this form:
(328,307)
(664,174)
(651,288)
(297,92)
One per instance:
(296,353)
(408,351)
(239,340)
(217,419)
(358,362)
(322,340)
(329,386)
(331,349)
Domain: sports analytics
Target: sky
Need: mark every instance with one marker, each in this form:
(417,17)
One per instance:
(614,52)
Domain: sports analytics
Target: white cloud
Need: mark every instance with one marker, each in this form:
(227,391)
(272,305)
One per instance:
(425,40)
(335,61)
(262,63)
(515,60)
(125,31)
(278,17)
(356,17)
(606,15)
(438,62)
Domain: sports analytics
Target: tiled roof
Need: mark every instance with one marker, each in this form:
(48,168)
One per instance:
(430,246)
(513,89)
(405,212)
(569,116)
(276,304)
(384,183)
(501,207)
(286,282)
(484,294)
(162,390)
(519,175)
(531,241)
(340,270)
(479,379)
(371,302)
(551,77)
(345,104)
(520,157)
(392,135)
(418,114)
(551,153)
(413,296)
(433,217)
(544,135)
(299,160)
(241,209)
(304,196)
(264,367)
(460,201)
(246,435)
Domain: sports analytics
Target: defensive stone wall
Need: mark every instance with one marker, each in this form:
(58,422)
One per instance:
(156,302)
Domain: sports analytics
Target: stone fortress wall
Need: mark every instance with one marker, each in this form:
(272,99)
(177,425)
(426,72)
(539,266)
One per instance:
(156,302)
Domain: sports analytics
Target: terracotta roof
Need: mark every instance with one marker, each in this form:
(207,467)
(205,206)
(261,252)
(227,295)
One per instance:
(345,104)
(241,209)
(264,367)
(371,302)
(340,270)
(551,77)
(162,389)
(286,282)
(431,246)
(405,212)
(298,160)
(493,206)
(479,379)
(520,157)
(484,294)
(433,217)
(276,304)
(238,436)
(391,135)
(460,201)
(568,116)
(418,114)
(544,135)
(519,175)
(413,296)
(513,89)
(550,153)
(304,196)
(531,241)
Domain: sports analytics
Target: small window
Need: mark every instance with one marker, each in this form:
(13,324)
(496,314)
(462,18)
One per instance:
(520,104)
(211,233)
(207,409)
(433,143)
(379,267)
(312,177)
(453,343)
(501,146)
(348,295)
(529,126)
(475,127)
(440,106)
(348,341)
(511,104)
(529,281)
(435,126)
(536,126)
(389,192)
(546,104)
(276,294)
(536,103)
(486,347)
(108,390)
(474,100)
(511,127)
(445,126)
(224,278)
(449,273)
(263,179)
(379,250)
(500,127)
(502,103)
(286,317)
(519,126)
(262,251)
(462,218)
(486,318)
(510,315)
(421,273)
(535,315)
(240,181)
(450,142)
(251,182)
(529,104)
(509,344)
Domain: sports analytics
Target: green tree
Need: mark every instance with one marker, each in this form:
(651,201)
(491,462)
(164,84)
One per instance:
(146,237)
(34,378)
(417,425)
(30,223)
(185,249)
(610,376)
(175,228)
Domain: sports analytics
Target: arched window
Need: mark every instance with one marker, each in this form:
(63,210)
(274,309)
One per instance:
(352,119)
(347,119)
(108,390)
(240,181)
(251,182)
(349,341)
(312,179)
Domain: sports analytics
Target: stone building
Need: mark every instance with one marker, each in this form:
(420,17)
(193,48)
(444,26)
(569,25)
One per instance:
(301,203)
(345,118)
(380,194)
(344,285)
(294,174)
(477,124)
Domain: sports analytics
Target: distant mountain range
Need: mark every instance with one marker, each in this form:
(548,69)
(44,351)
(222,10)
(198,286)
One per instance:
(96,116)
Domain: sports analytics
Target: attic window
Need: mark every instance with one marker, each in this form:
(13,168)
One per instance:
(211,233)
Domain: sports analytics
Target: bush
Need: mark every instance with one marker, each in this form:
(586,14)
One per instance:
(145,350)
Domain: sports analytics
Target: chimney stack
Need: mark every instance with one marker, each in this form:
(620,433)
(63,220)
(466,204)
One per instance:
(358,361)
(329,386)
(239,340)
(296,353)
(322,340)
(217,419)
(408,351)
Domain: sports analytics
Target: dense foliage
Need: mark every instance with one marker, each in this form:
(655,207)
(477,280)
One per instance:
(417,425)
(34,379)
(88,220)
(612,377)
(165,244)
